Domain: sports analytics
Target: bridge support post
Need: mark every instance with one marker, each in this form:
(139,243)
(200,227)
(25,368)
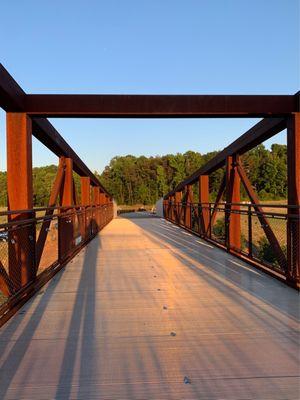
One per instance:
(232,220)
(293,224)
(102,203)
(96,198)
(66,220)
(21,239)
(86,201)
(188,206)
(203,210)
(178,198)
(172,208)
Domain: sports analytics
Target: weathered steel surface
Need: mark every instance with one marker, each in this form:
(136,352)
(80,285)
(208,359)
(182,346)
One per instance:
(233,195)
(101,329)
(20,197)
(180,106)
(203,190)
(13,98)
(293,159)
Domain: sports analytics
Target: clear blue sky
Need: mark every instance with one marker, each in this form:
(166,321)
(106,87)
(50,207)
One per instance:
(157,46)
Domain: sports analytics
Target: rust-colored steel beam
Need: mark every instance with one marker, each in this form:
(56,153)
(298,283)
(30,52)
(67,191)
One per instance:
(96,195)
(188,201)
(67,199)
(96,202)
(52,202)
(233,195)
(260,132)
(102,198)
(293,228)
(262,218)
(215,207)
(203,199)
(158,106)
(21,243)
(66,232)
(12,97)
(85,201)
(85,190)
(6,286)
(177,198)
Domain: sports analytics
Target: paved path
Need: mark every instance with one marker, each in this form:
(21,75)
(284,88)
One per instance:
(102,328)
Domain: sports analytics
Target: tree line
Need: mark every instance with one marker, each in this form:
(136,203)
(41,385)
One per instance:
(142,180)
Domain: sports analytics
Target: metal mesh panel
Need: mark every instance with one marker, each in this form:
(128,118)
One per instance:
(263,232)
(294,247)
(262,249)
(29,246)
(3,263)
(245,245)
(50,249)
(78,226)
(218,228)
(194,217)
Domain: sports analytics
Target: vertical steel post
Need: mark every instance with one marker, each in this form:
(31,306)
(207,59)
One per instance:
(85,183)
(66,231)
(102,198)
(188,206)
(172,205)
(293,224)
(204,211)
(96,196)
(21,243)
(250,241)
(178,197)
(232,220)
(102,209)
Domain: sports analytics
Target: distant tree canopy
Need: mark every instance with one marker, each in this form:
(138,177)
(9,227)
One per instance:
(142,179)
(133,180)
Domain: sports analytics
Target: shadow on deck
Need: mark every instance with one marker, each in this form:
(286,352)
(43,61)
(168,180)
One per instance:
(145,305)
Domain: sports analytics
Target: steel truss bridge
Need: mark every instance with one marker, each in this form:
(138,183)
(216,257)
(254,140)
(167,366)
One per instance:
(94,306)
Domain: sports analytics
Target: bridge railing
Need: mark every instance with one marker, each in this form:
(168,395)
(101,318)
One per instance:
(266,234)
(35,244)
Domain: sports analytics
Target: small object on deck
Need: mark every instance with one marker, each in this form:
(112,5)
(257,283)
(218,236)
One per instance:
(165,307)
(158,289)
(173,333)
(186,380)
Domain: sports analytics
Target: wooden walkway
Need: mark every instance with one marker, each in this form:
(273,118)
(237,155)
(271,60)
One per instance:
(148,311)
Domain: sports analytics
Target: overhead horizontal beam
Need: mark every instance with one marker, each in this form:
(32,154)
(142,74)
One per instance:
(45,132)
(260,132)
(159,106)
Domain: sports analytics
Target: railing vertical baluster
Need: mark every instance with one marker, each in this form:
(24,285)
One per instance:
(249,231)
